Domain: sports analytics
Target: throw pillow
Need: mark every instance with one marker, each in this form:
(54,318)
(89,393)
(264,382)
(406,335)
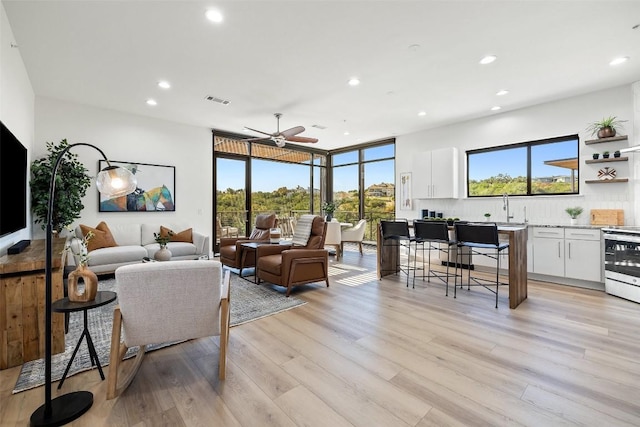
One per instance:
(183,236)
(102,237)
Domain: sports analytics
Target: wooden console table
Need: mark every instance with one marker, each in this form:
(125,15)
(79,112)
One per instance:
(22,303)
(388,257)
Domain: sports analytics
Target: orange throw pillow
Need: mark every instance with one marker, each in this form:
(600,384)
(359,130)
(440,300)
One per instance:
(102,237)
(183,236)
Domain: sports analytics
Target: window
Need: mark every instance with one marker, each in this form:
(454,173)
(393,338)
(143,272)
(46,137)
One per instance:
(547,166)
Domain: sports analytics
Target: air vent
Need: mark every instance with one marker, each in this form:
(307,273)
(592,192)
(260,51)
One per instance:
(319,127)
(218,100)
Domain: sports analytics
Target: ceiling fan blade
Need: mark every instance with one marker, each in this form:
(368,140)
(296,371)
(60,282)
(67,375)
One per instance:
(257,139)
(258,131)
(301,139)
(293,131)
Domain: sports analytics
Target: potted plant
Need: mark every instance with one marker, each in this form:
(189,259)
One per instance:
(83,274)
(574,213)
(72,182)
(487,216)
(605,155)
(328,208)
(163,254)
(605,128)
(616,154)
(596,156)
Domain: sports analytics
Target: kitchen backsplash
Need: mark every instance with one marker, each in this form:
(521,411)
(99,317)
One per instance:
(538,210)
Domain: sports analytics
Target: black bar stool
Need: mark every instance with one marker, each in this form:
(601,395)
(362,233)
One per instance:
(434,235)
(398,231)
(476,236)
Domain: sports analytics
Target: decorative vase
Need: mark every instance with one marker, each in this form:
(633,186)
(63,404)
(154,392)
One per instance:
(90,284)
(328,217)
(606,132)
(274,235)
(163,254)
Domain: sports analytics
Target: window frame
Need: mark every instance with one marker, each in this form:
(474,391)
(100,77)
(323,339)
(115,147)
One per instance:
(528,145)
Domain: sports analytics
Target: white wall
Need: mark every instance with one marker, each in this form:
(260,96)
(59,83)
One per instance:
(564,117)
(16,107)
(130,138)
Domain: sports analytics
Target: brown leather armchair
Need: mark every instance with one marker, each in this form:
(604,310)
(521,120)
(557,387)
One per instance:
(231,248)
(290,266)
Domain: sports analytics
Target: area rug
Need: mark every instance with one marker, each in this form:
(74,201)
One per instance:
(248,302)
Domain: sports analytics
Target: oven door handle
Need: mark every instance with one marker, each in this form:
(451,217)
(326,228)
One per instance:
(622,238)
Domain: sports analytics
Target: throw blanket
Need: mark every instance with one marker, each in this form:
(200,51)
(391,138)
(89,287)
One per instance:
(303,230)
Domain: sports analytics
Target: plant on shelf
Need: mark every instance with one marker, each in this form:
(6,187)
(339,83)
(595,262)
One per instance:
(163,240)
(72,182)
(596,156)
(606,127)
(605,155)
(616,154)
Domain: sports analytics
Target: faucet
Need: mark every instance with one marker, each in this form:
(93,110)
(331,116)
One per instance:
(505,205)
(525,215)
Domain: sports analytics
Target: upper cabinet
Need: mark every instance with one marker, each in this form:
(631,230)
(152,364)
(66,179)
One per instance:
(435,174)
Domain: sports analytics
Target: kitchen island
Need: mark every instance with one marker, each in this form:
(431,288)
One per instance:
(388,258)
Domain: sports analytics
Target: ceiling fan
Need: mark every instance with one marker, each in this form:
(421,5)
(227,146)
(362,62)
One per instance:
(280,138)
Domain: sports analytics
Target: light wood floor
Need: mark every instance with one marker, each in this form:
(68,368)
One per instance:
(376,353)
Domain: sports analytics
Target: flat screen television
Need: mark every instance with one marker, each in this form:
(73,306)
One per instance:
(13,183)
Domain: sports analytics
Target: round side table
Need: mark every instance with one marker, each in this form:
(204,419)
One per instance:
(65,306)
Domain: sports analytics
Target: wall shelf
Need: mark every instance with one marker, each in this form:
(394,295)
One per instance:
(606,181)
(610,159)
(601,140)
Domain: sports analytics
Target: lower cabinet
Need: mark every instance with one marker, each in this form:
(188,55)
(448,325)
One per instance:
(573,253)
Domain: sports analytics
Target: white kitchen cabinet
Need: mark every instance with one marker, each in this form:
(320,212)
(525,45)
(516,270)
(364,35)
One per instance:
(548,251)
(573,253)
(435,174)
(583,254)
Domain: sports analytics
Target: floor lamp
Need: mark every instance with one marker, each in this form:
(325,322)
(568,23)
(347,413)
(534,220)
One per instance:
(112,181)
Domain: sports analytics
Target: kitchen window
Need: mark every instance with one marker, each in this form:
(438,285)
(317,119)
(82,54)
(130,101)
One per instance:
(543,167)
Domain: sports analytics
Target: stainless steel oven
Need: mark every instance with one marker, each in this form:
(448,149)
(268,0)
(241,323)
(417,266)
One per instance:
(622,262)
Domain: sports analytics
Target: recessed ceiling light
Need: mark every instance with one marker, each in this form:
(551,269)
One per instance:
(496,108)
(346,132)
(502,92)
(214,15)
(488,59)
(354,81)
(164,84)
(620,60)
(422,113)
(151,102)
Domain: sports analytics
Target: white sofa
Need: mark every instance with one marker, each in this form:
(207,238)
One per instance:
(136,241)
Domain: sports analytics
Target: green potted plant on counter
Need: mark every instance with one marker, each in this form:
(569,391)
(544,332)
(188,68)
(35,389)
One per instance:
(487,216)
(574,213)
